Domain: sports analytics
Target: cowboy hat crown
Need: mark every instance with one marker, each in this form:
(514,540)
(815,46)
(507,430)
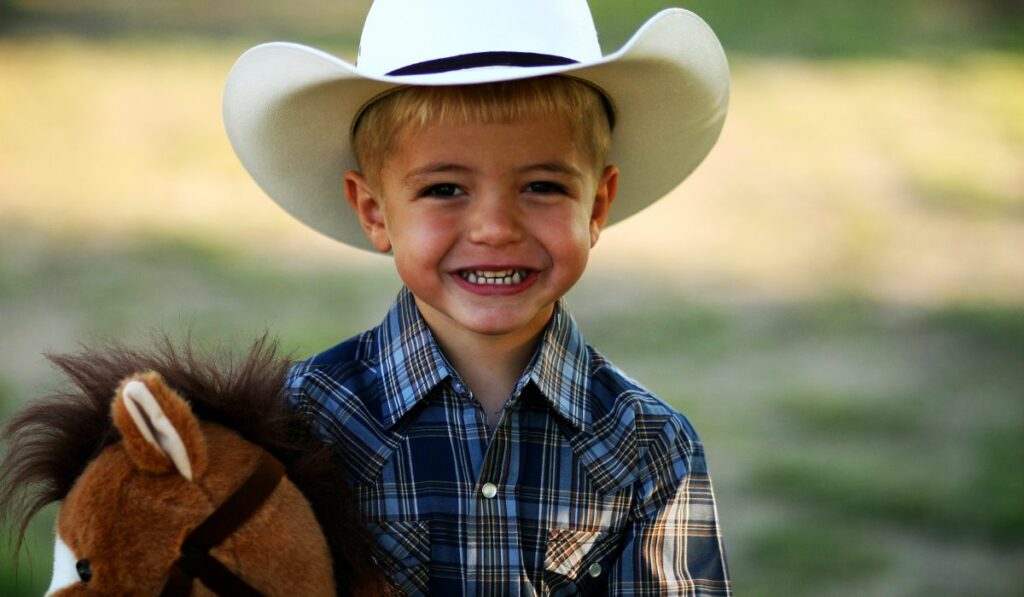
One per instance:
(399,33)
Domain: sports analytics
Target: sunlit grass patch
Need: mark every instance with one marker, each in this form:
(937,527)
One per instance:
(891,179)
(967,194)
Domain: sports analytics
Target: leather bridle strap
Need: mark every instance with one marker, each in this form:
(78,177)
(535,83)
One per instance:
(195,560)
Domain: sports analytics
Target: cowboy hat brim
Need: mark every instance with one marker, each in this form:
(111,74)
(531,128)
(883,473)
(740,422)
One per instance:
(288,109)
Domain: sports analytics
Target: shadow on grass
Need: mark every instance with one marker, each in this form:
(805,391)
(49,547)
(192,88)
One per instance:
(806,560)
(844,412)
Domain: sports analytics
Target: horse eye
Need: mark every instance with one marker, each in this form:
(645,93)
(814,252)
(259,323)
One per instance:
(84,572)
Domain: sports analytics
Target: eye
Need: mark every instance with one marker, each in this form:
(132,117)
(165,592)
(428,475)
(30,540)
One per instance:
(545,188)
(442,190)
(84,571)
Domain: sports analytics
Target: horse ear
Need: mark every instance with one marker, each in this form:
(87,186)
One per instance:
(159,430)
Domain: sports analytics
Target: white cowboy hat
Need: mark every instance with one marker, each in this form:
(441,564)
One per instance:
(289,108)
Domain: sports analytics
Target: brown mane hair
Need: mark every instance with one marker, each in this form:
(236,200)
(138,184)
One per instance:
(51,440)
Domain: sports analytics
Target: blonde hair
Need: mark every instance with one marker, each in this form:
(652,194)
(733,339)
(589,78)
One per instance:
(587,110)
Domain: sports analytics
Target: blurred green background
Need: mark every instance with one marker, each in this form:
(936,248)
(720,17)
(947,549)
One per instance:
(836,298)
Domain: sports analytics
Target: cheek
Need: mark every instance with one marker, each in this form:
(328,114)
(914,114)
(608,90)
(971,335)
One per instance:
(419,254)
(569,234)
(422,234)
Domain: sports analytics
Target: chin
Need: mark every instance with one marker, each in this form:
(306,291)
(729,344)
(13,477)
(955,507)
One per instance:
(501,324)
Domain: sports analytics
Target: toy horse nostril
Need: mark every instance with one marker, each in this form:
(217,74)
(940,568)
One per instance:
(84,572)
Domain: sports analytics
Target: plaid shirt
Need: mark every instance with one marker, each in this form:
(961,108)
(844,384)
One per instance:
(587,484)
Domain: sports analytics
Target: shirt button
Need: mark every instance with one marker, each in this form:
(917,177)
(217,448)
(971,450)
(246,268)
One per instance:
(457,387)
(595,569)
(489,490)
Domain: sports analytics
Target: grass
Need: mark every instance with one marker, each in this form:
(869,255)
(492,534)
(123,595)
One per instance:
(822,449)
(806,28)
(32,576)
(156,281)
(829,199)
(842,28)
(792,560)
(834,299)
(986,324)
(832,416)
(996,478)
(902,488)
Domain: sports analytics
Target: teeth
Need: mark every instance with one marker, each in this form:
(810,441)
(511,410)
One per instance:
(504,277)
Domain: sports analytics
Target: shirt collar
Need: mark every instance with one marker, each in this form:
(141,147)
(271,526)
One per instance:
(561,369)
(412,363)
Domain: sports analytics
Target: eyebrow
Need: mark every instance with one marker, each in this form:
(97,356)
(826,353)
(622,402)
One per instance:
(436,167)
(440,167)
(559,167)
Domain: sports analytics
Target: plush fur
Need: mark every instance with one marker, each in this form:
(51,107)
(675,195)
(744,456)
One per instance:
(144,454)
(126,507)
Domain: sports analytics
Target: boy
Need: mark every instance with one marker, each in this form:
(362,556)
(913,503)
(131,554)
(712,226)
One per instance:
(480,143)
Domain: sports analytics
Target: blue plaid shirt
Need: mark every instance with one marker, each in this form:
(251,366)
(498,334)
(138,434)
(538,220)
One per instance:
(587,484)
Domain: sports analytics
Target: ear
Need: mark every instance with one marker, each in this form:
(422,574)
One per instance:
(160,433)
(367,204)
(605,193)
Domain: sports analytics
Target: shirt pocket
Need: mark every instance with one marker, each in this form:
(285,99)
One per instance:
(403,552)
(577,561)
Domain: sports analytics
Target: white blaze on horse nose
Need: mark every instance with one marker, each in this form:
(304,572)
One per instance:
(64,572)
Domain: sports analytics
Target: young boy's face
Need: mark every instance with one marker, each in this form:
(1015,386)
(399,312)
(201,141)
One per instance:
(489,224)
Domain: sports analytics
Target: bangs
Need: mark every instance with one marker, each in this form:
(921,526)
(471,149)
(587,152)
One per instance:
(586,110)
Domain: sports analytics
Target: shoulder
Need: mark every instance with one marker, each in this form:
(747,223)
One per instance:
(655,447)
(648,439)
(617,396)
(330,378)
(334,361)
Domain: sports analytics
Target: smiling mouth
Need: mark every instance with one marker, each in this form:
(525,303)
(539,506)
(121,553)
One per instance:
(501,277)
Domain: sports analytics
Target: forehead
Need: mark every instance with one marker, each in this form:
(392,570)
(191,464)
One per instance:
(486,146)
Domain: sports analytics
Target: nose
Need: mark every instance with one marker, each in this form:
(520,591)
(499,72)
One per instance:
(496,220)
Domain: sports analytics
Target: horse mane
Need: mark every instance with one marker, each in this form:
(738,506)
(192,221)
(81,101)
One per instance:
(51,440)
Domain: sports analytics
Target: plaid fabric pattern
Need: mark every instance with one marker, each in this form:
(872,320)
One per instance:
(587,485)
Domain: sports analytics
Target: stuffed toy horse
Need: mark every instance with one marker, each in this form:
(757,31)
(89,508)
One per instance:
(181,474)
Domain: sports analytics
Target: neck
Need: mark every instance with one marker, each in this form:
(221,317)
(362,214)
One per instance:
(489,364)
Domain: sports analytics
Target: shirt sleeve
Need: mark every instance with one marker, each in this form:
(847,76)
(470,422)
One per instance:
(673,544)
